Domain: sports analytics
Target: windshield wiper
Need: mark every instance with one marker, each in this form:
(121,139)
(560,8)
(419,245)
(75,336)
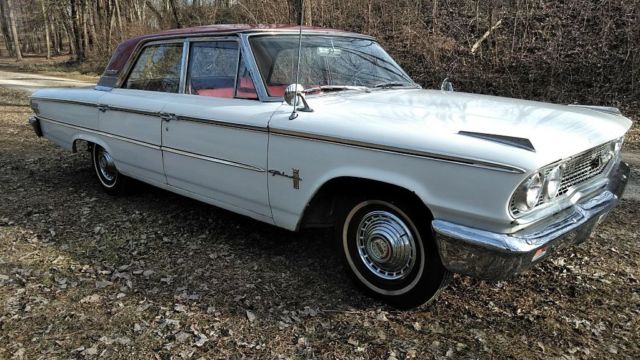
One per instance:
(392,84)
(328,88)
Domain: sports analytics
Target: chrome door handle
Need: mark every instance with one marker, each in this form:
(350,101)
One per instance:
(167,117)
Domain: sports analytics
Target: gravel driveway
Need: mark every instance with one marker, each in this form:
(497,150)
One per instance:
(156,275)
(32,82)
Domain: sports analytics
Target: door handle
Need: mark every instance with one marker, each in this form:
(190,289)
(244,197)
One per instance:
(167,117)
(103,108)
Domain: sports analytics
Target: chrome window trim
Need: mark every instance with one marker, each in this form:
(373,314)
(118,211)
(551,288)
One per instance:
(133,59)
(402,151)
(191,40)
(264,96)
(124,73)
(186,45)
(156,147)
(252,65)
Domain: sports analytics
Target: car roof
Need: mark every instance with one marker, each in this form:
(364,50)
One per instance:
(125,49)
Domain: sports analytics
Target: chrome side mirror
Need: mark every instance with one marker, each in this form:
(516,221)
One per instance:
(294,95)
(446,85)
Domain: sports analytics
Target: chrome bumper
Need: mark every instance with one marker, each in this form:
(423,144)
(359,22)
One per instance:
(493,256)
(35,124)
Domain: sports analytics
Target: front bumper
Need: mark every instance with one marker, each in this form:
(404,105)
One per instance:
(493,256)
(35,124)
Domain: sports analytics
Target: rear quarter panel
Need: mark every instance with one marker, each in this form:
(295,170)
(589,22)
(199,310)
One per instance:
(59,107)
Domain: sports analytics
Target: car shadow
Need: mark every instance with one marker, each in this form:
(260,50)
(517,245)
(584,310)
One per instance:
(176,245)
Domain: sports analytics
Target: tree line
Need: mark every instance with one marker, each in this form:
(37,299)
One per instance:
(548,49)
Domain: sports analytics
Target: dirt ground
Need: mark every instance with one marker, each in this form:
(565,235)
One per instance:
(156,275)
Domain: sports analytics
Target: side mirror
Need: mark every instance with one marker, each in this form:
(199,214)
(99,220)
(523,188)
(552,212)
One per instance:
(446,85)
(293,95)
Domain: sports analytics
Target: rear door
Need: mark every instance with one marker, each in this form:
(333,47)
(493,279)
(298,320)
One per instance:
(131,114)
(214,141)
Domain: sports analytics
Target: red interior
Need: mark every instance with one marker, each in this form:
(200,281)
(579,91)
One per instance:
(246,90)
(277,90)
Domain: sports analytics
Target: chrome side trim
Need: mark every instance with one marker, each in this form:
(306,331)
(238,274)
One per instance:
(222,123)
(112,136)
(132,111)
(397,150)
(212,159)
(62,101)
(156,147)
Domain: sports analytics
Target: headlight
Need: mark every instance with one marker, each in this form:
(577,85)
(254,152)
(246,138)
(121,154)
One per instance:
(553,182)
(528,194)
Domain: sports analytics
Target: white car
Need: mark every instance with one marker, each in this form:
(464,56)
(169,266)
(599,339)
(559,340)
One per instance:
(418,183)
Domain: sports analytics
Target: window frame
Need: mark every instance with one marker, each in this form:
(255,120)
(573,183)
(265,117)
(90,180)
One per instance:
(139,52)
(187,46)
(252,63)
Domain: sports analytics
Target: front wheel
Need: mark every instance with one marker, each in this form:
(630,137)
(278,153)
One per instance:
(112,182)
(388,248)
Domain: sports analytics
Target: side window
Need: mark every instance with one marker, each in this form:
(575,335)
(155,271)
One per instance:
(157,69)
(212,68)
(245,89)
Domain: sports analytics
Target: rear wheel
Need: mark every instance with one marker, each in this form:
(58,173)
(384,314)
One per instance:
(110,179)
(388,248)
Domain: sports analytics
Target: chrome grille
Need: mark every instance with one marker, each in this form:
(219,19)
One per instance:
(584,167)
(578,169)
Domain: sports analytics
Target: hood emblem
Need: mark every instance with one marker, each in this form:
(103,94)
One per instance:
(518,142)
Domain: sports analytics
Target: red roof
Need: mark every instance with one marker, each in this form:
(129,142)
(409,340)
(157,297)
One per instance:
(124,49)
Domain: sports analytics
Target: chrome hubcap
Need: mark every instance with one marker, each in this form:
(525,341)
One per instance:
(386,245)
(106,166)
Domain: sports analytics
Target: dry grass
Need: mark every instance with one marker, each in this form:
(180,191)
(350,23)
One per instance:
(155,275)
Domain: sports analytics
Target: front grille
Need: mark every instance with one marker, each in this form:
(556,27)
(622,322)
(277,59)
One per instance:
(578,170)
(585,166)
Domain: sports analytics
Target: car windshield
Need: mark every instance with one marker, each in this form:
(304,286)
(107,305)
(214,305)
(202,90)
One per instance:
(325,62)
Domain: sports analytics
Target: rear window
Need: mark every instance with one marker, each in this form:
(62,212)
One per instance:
(157,69)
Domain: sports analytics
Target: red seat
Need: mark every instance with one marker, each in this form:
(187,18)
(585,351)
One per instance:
(246,90)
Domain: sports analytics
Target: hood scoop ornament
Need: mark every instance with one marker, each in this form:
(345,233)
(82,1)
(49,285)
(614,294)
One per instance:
(518,142)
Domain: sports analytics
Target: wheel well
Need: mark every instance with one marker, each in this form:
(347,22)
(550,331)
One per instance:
(321,210)
(74,146)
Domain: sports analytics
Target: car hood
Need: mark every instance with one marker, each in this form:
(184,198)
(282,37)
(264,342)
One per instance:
(432,120)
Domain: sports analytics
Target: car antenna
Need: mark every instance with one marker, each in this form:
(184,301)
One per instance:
(294,113)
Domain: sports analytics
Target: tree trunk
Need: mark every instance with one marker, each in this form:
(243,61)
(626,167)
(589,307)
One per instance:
(76,29)
(85,32)
(47,37)
(5,28)
(14,31)
(174,11)
(119,17)
(92,26)
(155,12)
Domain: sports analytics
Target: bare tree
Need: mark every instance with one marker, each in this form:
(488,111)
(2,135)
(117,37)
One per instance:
(14,30)
(76,6)
(46,28)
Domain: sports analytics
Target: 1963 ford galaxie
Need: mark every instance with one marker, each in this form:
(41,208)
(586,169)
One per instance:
(418,183)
